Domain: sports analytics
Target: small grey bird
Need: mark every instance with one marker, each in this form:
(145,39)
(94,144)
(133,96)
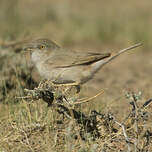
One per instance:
(63,66)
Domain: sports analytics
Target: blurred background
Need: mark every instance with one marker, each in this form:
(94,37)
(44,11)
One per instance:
(87,25)
(98,25)
(99,22)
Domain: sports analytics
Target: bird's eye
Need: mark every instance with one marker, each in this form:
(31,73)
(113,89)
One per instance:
(42,46)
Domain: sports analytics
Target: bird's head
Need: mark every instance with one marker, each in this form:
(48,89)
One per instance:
(40,49)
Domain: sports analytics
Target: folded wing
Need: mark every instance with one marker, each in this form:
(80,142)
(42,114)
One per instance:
(69,59)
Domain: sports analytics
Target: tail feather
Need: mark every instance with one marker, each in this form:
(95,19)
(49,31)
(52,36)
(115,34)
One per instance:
(98,65)
(123,51)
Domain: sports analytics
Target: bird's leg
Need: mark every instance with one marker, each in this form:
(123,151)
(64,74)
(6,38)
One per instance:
(78,88)
(69,85)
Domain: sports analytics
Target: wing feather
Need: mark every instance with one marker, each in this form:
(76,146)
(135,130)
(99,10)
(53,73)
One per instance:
(68,59)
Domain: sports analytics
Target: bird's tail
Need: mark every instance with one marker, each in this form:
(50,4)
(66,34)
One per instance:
(122,51)
(98,65)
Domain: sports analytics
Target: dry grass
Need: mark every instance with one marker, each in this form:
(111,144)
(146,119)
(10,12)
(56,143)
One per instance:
(117,125)
(61,125)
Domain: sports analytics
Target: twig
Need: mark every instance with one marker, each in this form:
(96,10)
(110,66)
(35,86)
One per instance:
(146,103)
(136,121)
(25,97)
(125,135)
(88,99)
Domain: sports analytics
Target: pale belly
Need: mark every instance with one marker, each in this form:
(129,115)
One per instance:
(75,74)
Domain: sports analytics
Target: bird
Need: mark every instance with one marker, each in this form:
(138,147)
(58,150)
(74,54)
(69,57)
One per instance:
(65,66)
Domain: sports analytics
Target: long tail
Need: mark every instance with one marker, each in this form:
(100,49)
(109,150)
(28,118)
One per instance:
(123,51)
(98,65)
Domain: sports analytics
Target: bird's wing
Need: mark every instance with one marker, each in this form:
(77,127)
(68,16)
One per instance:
(65,59)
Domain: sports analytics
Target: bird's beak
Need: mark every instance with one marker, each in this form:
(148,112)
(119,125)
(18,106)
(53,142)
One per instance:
(28,48)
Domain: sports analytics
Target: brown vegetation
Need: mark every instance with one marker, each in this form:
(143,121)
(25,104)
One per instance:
(118,120)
